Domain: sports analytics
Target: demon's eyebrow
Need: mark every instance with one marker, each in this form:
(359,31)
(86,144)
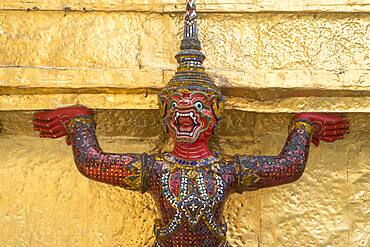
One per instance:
(206,96)
(175,95)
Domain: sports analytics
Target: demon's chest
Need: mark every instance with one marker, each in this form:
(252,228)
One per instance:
(192,194)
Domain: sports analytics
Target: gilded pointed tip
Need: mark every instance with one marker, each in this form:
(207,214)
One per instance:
(190,55)
(190,38)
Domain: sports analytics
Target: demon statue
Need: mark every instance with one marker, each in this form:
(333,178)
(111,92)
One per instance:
(191,184)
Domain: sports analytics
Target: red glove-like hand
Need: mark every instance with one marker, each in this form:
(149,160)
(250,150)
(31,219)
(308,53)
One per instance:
(52,124)
(328,127)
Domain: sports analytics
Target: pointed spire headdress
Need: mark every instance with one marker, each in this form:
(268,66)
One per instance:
(191,75)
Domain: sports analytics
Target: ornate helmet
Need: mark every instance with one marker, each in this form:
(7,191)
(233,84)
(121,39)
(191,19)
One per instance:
(191,75)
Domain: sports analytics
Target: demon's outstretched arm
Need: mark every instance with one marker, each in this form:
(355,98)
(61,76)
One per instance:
(257,172)
(124,170)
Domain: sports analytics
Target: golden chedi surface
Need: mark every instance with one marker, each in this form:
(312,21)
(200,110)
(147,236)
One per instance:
(271,59)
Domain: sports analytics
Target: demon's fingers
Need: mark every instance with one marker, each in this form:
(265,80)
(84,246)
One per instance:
(54,136)
(54,129)
(337,126)
(46,115)
(336,120)
(335,132)
(50,124)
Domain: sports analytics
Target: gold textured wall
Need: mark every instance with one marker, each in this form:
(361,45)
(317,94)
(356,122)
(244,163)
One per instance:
(271,59)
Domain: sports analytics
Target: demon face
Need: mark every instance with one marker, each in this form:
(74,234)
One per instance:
(189,116)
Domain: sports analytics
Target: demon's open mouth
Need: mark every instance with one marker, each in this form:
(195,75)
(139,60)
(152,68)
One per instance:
(186,124)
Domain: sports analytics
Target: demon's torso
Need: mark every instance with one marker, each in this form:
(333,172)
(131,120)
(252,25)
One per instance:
(190,199)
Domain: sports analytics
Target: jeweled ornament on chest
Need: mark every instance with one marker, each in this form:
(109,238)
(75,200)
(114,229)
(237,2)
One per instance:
(183,182)
(192,192)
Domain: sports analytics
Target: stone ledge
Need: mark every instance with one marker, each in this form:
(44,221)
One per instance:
(18,79)
(255,90)
(96,101)
(302,104)
(171,6)
(149,101)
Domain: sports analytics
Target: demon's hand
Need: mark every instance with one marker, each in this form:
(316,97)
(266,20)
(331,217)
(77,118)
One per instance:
(328,127)
(53,123)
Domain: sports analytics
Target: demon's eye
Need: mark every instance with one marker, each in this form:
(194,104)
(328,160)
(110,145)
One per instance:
(198,105)
(173,105)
